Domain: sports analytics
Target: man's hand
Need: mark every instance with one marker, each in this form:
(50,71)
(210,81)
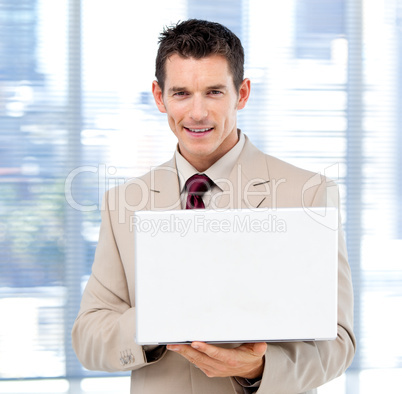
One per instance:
(246,361)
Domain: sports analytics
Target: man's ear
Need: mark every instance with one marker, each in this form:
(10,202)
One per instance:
(157,92)
(244,93)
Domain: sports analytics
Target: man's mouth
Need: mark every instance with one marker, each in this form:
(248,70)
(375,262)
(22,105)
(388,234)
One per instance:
(199,130)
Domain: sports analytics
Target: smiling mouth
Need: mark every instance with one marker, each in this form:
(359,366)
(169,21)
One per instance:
(199,130)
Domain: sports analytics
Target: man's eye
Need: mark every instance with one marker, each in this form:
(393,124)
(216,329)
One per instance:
(180,94)
(216,92)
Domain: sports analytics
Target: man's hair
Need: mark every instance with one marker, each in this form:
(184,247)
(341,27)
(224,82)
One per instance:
(198,39)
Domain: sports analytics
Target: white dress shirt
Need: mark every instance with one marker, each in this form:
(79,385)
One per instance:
(219,171)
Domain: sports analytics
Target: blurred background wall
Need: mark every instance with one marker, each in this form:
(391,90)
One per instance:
(77,117)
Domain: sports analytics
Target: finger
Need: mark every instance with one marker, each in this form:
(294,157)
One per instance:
(257,349)
(220,359)
(182,349)
(192,355)
(211,351)
(260,348)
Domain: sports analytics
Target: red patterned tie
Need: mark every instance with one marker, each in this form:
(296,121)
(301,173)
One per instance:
(197,186)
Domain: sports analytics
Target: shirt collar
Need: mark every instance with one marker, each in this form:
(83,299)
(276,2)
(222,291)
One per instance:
(219,170)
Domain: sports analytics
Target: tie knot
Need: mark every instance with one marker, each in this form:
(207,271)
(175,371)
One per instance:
(198,184)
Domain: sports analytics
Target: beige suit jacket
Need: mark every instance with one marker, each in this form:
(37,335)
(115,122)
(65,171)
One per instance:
(103,333)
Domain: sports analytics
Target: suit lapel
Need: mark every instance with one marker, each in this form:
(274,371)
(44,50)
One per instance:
(164,187)
(248,185)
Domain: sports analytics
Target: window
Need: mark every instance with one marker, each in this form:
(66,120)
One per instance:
(77,117)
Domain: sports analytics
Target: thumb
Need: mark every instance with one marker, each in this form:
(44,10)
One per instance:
(260,348)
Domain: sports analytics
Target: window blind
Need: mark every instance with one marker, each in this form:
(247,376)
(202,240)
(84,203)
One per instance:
(77,117)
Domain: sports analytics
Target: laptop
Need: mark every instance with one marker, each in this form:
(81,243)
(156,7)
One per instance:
(246,275)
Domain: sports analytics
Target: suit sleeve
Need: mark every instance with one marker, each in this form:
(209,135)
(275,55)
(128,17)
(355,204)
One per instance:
(296,367)
(103,333)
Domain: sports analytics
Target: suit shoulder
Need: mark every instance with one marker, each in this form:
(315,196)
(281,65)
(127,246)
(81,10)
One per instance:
(281,169)
(296,185)
(277,168)
(134,192)
(145,179)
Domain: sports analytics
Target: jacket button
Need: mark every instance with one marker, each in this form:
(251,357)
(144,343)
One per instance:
(126,357)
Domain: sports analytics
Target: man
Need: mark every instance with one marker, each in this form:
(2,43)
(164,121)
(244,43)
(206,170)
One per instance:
(200,86)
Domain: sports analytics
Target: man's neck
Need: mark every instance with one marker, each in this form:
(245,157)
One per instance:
(202,163)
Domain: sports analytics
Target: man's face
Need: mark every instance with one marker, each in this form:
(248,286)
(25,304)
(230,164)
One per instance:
(201,103)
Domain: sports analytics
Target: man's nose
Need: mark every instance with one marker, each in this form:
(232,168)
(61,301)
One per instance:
(198,110)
